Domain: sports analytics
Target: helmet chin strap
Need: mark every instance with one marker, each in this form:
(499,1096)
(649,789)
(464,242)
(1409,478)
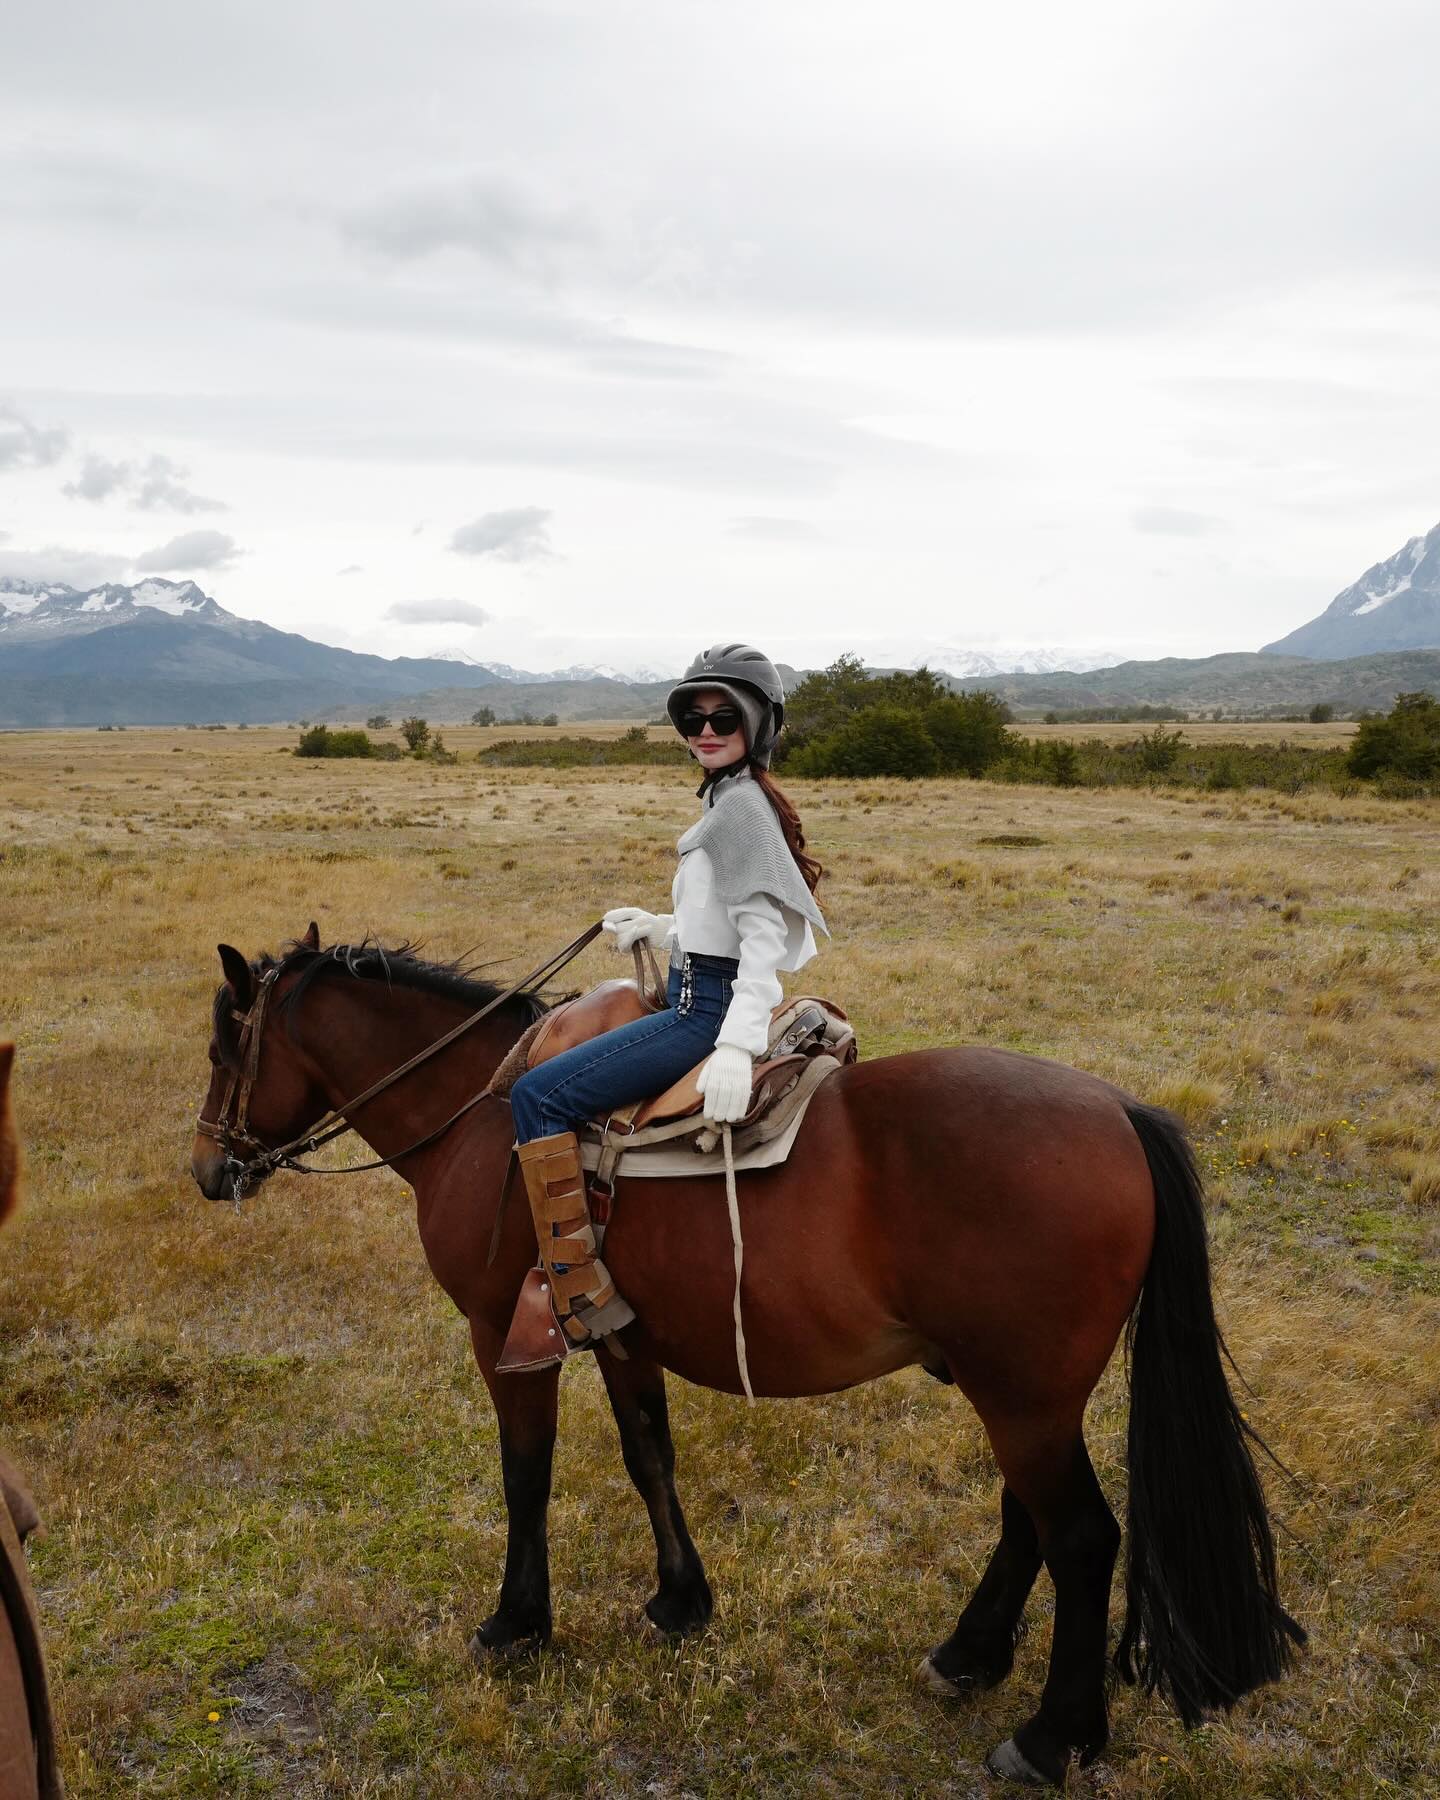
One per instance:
(713,777)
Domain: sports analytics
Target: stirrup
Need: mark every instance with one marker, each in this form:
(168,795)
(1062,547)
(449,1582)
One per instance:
(539,1339)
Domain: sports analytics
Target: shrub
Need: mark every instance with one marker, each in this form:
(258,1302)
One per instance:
(1404,743)
(881,740)
(968,732)
(1063,762)
(826,701)
(416,733)
(1223,774)
(1159,750)
(320,740)
(634,747)
(1321,713)
(378,722)
(483,715)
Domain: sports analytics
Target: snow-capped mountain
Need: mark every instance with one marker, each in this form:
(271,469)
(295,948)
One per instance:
(164,651)
(453,653)
(1394,606)
(33,610)
(1010,659)
(578,672)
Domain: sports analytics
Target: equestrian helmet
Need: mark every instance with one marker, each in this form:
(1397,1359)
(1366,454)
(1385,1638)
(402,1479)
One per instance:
(750,679)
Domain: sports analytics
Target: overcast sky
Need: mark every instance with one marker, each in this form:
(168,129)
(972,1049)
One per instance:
(567,332)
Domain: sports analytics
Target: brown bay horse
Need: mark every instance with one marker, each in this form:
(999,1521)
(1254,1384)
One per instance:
(997,1217)
(29,1769)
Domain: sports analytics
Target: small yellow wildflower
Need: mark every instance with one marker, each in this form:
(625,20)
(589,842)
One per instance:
(213,1717)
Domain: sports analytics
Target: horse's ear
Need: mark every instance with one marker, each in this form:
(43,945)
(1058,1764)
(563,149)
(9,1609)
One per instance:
(311,939)
(237,975)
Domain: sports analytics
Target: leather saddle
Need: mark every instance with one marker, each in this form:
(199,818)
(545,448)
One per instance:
(799,1030)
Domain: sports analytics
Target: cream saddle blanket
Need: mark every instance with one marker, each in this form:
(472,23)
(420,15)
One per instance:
(690,1147)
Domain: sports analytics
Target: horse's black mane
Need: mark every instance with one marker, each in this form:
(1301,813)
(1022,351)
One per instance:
(399,965)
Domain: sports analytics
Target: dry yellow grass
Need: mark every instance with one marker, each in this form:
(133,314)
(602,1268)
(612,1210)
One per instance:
(270,1473)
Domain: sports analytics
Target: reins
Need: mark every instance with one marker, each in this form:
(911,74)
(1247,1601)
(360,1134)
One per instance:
(335,1123)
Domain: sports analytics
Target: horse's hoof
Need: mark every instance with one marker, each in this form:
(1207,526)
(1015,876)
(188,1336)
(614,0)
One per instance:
(942,1684)
(1010,1764)
(678,1617)
(963,1686)
(488,1651)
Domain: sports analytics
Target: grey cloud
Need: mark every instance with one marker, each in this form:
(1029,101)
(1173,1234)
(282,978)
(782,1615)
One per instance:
(58,563)
(730,436)
(437,612)
(1173,521)
(160,487)
(519,534)
(483,214)
(97,480)
(351,569)
(191,550)
(156,485)
(408,310)
(763,529)
(25,445)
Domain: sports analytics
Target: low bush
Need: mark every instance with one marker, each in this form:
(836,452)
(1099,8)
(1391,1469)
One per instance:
(950,734)
(635,747)
(881,740)
(1218,767)
(320,740)
(1404,744)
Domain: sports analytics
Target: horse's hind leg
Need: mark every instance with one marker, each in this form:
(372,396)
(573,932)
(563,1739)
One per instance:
(681,1602)
(979,1652)
(525,1406)
(1048,1469)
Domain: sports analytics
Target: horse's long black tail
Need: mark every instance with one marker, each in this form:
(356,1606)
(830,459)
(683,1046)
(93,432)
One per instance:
(1203,1620)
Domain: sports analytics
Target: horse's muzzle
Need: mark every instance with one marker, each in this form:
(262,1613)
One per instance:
(214,1172)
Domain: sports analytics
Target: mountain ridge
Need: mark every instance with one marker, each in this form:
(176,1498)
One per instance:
(1395,605)
(165,652)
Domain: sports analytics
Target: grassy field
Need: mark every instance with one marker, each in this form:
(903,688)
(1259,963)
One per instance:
(269,1471)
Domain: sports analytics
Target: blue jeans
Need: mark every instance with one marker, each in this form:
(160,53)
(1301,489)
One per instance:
(632,1062)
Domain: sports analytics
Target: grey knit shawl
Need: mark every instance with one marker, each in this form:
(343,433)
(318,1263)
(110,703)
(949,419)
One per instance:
(741,835)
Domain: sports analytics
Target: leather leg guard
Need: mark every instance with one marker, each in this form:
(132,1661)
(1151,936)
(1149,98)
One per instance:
(570,1300)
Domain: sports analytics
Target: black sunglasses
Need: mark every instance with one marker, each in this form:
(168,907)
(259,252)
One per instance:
(722,721)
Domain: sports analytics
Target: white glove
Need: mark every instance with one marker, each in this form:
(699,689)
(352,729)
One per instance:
(632,925)
(725,1081)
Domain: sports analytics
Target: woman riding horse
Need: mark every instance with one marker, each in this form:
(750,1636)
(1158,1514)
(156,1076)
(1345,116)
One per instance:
(744,908)
(998,1218)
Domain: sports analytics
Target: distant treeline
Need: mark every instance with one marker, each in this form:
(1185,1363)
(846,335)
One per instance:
(1322,713)
(845,722)
(634,746)
(1113,715)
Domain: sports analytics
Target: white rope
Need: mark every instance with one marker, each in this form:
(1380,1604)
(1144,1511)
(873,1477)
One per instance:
(733,1202)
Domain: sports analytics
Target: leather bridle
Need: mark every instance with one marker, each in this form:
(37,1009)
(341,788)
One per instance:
(233,1133)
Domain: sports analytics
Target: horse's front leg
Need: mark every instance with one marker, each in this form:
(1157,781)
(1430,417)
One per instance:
(681,1604)
(526,1408)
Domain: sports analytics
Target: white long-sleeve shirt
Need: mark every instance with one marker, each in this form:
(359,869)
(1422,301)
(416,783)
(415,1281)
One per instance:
(764,936)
